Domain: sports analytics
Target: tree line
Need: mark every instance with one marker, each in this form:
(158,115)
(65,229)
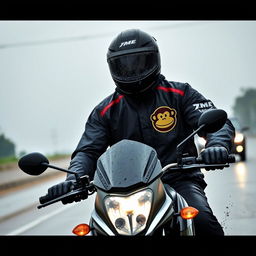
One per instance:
(7,147)
(245,109)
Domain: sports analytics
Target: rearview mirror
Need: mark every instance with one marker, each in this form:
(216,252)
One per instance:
(33,163)
(212,120)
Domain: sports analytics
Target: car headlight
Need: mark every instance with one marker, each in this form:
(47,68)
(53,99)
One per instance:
(239,138)
(129,214)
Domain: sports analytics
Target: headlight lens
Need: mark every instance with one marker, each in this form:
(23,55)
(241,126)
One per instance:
(129,214)
(201,141)
(239,137)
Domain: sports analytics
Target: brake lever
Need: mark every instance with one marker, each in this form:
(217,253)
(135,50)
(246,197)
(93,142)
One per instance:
(191,166)
(195,162)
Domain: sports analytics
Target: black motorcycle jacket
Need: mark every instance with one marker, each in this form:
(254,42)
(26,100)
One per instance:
(160,118)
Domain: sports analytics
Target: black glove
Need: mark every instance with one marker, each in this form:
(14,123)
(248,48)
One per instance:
(214,155)
(60,189)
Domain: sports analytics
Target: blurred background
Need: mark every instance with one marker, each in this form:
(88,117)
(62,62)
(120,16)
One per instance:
(53,73)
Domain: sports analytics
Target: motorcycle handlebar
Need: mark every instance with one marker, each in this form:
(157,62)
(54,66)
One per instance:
(76,195)
(189,163)
(70,197)
(81,192)
(44,199)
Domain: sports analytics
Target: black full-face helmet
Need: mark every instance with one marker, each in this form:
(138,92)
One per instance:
(134,61)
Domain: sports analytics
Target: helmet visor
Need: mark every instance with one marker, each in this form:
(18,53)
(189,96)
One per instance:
(133,67)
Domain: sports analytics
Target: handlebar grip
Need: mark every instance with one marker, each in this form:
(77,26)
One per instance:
(44,199)
(231,159)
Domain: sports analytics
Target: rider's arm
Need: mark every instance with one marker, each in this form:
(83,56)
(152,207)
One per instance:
(92,144)
(194,104)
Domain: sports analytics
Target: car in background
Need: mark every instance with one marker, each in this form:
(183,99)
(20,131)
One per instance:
(239,143)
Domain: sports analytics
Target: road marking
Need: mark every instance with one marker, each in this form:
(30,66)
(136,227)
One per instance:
(36,222)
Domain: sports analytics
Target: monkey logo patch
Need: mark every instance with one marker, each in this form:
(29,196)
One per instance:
(164,119)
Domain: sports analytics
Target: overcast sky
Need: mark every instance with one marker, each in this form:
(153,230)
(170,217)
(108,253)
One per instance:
(53,73)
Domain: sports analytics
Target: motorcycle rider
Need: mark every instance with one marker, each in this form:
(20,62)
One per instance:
(145,107)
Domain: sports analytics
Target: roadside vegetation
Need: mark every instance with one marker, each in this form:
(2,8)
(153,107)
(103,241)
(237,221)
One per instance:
(245,109)
(9,157)
(11,161)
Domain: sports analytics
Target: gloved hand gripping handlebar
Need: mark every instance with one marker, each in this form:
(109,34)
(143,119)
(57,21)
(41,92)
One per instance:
(82,188)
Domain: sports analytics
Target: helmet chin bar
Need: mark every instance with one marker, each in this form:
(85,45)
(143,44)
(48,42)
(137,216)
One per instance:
(118,89)
(143,89)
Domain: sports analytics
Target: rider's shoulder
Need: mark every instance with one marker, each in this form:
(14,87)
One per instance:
(178,85)
(106,104)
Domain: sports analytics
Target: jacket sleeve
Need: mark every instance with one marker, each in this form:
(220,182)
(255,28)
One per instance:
(194,104)
(92,144)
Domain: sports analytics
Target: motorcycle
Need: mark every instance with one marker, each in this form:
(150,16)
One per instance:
(131,199)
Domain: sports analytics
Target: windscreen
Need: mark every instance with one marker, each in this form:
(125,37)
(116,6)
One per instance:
(126,164)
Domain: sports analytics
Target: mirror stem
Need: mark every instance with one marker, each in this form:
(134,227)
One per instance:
(61,169)
(179,150)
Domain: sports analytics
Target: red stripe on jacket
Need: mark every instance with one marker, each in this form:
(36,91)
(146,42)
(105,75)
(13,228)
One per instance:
(113,102)
(170,90)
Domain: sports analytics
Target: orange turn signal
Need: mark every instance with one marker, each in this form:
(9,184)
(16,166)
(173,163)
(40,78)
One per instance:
(188,213)
(81,230)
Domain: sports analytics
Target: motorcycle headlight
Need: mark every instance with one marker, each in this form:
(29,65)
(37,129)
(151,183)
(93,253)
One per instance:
(201,141)
(239,137)
(129,214)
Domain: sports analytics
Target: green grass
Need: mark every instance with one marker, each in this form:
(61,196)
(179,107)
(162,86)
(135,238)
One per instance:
(8,160)
(14,159)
